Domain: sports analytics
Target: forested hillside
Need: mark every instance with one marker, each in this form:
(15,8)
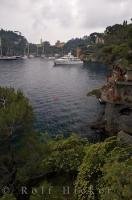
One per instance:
(117,46)
(12,43)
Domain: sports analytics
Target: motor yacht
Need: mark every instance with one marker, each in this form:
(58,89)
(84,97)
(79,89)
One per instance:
(68,60)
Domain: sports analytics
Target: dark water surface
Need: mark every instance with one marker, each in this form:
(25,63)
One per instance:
(58,94)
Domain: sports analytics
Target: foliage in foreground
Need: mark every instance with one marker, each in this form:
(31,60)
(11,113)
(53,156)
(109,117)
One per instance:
(16,114)
(106,172)
(95,171)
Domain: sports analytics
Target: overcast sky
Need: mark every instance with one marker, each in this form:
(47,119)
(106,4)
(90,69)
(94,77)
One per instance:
(61,19)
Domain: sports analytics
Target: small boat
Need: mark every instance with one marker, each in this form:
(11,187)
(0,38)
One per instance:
(31,56)
(51,58)
(25,57)
(21,57)
(11,58)
(8,58)
(101,101)
(68,60)
(43,56)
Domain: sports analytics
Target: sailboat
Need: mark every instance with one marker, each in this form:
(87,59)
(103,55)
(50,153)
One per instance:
(43,51)
(28,54)
(1,47)
(7,58)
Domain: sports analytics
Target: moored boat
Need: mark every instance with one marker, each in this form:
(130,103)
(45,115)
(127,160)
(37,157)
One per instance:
(31,56)
(51,58)
(68,60)
(8,58)
(11,58)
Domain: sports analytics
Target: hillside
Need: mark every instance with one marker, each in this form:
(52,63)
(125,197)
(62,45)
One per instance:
(13,43)
(114,46)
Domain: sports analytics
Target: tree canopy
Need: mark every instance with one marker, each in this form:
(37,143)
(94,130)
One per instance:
(105,172)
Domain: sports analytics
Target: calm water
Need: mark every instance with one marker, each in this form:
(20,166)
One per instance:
(58,94)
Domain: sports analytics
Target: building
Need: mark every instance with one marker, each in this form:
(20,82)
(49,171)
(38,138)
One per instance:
(128,75)
(59,44)
(99,40)
(78,52)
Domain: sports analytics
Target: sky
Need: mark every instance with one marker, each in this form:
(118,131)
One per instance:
(62,19)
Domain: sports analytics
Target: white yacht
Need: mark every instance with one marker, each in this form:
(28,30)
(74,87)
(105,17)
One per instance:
(68,60)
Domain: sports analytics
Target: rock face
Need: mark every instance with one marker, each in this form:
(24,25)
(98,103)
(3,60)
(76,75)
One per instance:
(117,96)
(110,115)
(124,138)
(118,118)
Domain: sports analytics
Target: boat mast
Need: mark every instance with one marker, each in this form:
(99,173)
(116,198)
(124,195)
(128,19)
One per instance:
(28,54)
(42,46)
(1,52)
(37,49)
(24,52)
(43,49)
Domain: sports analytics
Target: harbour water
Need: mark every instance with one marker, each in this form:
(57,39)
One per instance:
(58,94)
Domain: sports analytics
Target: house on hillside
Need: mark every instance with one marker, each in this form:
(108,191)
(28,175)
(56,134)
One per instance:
(99,40)
(59,44)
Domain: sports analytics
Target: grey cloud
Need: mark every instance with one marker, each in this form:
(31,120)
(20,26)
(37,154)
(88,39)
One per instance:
(57,11)
(102,13)
(62,19)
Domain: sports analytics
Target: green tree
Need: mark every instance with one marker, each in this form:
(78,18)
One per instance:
(61,167)
(16,122)
(16,114)
(65,154)
(116,181)
(105,170)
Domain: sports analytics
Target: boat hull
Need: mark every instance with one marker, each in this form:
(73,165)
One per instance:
(11,58)
(57,62)
(7,58)
(68,60)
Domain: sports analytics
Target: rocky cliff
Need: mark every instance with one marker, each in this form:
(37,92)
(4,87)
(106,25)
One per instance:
(117,120)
